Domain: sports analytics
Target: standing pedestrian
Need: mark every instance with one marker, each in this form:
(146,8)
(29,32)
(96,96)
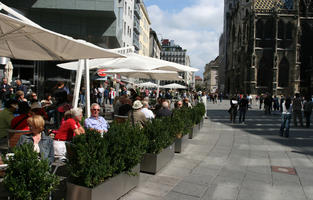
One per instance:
(112,95)
(268,104)
(106,95)
(297,110)
(276,103)
(307,108)
(233,109)
(5,91)
(286,117)
(261,101)
(204,101)
(243,107)
(100,94)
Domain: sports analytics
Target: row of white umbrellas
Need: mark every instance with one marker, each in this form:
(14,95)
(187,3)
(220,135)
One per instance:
(20,38)
(168,86)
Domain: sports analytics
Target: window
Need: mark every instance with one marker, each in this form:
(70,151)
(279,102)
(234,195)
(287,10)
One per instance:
(289,29)
(124,28)
(281,29)
(259,29)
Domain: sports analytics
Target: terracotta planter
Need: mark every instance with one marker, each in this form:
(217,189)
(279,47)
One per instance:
(111,189)
(179,143)
(152,163)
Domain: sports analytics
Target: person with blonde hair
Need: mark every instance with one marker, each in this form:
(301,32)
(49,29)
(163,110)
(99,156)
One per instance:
(43,144)
(69,128)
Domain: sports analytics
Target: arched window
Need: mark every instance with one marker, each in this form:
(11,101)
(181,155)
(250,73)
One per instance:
(281,29)
(265,73)
(259,29)
(289,29)
(268,29)
(283,76)
(302,6)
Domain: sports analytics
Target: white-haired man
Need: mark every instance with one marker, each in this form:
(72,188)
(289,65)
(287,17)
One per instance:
(96,122)
(164,111)
(148,113)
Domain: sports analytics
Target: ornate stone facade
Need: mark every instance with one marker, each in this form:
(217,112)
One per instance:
(269,47)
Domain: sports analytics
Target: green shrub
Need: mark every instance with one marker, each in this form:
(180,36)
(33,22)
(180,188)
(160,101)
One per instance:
(28,177)
(93,159)
(181,120)
(160,134)
(88,161)
(127,144)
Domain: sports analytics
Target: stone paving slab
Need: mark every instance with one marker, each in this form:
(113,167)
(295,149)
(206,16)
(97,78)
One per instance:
(228,161)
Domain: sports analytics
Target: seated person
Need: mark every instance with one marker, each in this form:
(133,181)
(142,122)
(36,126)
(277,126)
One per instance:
(37,109)
(20,122)
(125,107)
(178,105)
(6,116)
(96,122)
(164,111)
(20,96)
(136,117)
(43,144)
(148,113)
(69,128)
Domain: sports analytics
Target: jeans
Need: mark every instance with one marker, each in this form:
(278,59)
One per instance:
(82,99)
(100,100)
(242,114)
(297,114)
(285,124)
(111,101)
(307,118)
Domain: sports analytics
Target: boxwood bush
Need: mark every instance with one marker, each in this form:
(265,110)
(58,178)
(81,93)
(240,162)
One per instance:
(160,134)
(28,177)
(93,159)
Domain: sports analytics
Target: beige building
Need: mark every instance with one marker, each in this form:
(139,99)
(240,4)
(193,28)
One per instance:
(210,76)
(144,37)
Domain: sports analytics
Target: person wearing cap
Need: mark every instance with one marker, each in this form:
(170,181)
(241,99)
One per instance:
(96,122)
(6,116)
(135,116)
(37,109)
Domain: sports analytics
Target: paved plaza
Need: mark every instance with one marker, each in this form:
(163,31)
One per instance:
(236,162)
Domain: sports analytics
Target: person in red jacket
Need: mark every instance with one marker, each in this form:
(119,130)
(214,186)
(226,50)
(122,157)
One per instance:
(20,122)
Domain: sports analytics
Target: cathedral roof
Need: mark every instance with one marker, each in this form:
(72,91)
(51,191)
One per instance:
(267,5)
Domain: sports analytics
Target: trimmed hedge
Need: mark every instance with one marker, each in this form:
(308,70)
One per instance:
(93,159)
(28,177)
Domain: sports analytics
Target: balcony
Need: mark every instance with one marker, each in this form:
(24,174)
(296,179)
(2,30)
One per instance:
(136,27)
(137,12)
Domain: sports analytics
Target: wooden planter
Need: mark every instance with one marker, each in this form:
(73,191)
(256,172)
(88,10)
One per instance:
(152,163)
(111,189)
(179,143)
(193,132)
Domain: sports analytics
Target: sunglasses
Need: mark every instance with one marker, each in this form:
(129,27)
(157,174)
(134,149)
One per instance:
(96,109)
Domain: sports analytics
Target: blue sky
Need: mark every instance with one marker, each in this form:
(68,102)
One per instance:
(195,25)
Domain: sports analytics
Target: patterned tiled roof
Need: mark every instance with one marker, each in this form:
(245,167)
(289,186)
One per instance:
(272,4)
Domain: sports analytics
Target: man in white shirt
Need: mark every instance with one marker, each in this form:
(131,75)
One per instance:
(148,113)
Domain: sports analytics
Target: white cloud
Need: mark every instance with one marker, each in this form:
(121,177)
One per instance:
(196,28)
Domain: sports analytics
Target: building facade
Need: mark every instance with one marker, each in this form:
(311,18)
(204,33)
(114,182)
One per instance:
(211,76)
(137,29)
(175,53)
(144,37)
(269,47)
(155,45)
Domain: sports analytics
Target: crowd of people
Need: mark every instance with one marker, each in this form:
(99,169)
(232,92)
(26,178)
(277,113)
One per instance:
(49,124)
(289,108)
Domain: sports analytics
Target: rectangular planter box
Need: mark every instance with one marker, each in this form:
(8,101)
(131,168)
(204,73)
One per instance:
(201,123)
(111,189)
(179,143)
(152,163)
(193,132)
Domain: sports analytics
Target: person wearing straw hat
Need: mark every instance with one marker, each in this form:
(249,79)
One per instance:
(135,116)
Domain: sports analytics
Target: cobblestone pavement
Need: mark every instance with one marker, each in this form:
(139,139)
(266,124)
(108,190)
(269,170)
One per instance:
(236,161)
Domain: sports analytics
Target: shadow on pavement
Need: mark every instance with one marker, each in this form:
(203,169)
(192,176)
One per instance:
(267,126)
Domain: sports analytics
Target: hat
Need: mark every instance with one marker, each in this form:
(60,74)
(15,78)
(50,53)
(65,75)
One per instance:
(137,105)
(35,105)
